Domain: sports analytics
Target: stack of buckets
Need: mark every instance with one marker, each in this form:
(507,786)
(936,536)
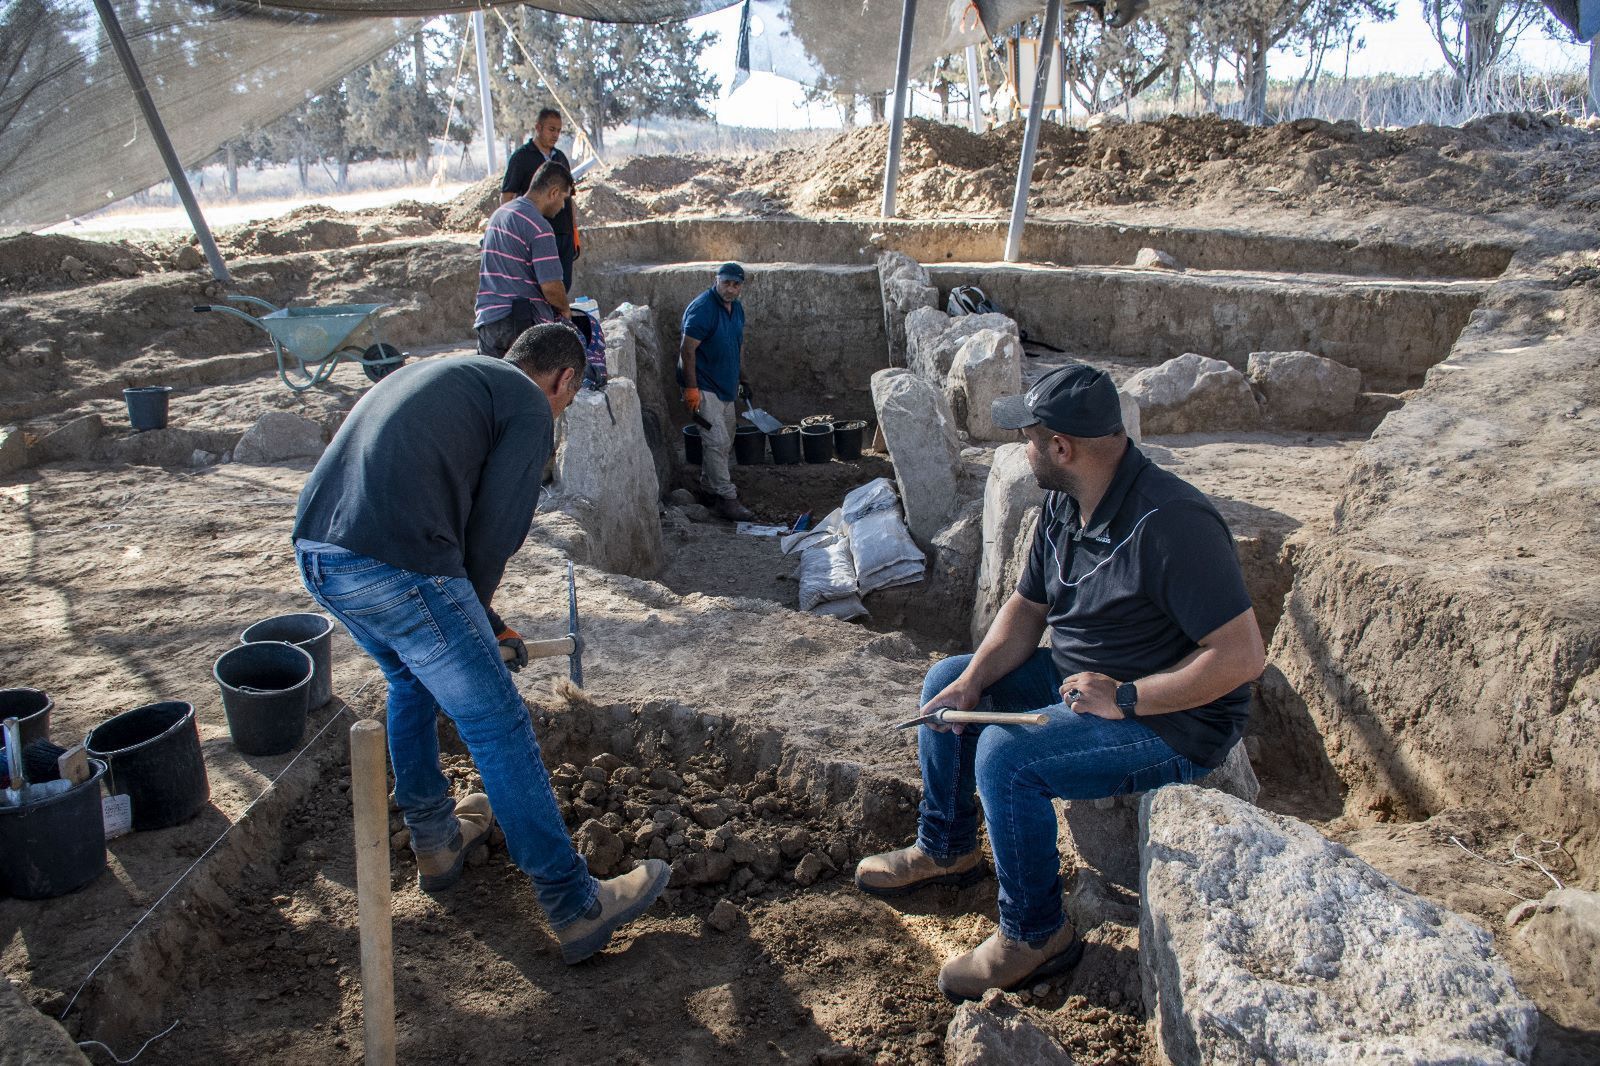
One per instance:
(52,841)
(814,441)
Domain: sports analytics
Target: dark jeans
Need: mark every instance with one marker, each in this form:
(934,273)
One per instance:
(1017,770)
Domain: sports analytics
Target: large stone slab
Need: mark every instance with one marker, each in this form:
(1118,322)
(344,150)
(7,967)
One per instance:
(1261,941)
(904,286)
(622,348)
(987,366)
(921,437)
(77,440)
(1193,394)
(658,393)
(607,462)
(1011,503)
(933,338)
(279,436)
(1300,390)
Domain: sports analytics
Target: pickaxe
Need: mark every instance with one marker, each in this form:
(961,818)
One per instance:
(570,645)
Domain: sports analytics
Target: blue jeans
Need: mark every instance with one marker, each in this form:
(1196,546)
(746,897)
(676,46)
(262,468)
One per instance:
(1017,770)
(432,639)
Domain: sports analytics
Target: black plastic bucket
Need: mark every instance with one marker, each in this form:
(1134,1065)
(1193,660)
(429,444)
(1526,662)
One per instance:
(152,755)
(749,446)
(55,845)
(147,406)
(314,633)
(31,708)
(265,693)
(691,445)
(847,439)
(785,445)
(817,442)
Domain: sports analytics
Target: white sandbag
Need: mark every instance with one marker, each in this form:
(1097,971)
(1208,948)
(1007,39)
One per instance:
(880,544)
(826,572)
(845,610)
(832,525)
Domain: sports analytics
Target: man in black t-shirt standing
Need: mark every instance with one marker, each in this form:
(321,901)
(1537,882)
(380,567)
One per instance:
(520,168)
(1145,682)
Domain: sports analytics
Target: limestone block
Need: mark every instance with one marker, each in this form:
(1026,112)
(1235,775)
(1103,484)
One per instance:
(1193,394)
(13,450)
(987,366)
(78,439)
(164,447)
(940,604)
(1155,259)
(894,266)
(1299,390)
(933,338)
(1105,833)
(567,528)
(901,296)
(1261,941)
(1132,423)
(921,436)
(278,436)
(622,349)
(998,1036)
(610,465)
(1563,929)
(1011,503)
(657,385)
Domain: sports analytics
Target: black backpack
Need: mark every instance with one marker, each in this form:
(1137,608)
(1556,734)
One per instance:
(969,300)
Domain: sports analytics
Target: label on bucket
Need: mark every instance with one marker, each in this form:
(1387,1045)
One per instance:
(118,814)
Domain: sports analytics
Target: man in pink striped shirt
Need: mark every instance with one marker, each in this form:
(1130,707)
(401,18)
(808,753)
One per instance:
(519,276)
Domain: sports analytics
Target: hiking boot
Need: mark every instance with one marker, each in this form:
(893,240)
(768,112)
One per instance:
(1007,964)
(619,901)
(438,870)
(730,508)
(896,873)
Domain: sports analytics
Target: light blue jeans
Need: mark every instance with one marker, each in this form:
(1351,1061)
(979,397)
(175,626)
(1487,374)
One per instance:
(1017,770)
(432,639)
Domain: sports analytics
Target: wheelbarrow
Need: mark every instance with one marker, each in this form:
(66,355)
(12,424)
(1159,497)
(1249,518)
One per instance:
(310,341)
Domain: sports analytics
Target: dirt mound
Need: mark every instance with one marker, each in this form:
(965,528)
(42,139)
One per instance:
(319,228)
(472,207)
(657,172)
(32,262)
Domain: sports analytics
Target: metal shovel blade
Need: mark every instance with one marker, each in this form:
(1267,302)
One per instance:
(763,421)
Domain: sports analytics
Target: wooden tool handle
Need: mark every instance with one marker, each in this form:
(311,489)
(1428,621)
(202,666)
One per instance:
(369,791)
(545,649)
(991,718)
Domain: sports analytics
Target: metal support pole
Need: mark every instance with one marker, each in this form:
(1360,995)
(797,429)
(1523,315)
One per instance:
(152,119)
(1030,140)
(369,794)
(902,75)
(490,144)
(974,112)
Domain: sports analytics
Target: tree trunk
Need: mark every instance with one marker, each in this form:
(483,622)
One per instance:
(846,102)
(944,101)
(879,102)
(300,165)
(1255,82)
(233,171)
(419,61)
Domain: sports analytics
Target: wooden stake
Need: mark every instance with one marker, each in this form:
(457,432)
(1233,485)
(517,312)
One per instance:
(369,790)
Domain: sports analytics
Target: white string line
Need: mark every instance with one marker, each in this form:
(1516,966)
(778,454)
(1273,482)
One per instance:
(577,127)
(107,1049)
(1546,847)
(264,793)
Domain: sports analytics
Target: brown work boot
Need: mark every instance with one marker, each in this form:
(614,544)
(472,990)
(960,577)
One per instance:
(1007,964)
(896,873)
(730,508)
(438,870)
(619,901)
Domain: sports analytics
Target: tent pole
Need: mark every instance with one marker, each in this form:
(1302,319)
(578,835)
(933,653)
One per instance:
(973,88)
(489,143)
(1030,140)
(152,119)
(902,75)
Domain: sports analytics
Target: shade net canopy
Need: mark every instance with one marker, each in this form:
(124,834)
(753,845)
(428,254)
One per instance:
(72,138)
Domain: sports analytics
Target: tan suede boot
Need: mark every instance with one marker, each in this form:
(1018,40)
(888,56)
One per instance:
(1007,964)
(896,873)
(438,870)
(619,901)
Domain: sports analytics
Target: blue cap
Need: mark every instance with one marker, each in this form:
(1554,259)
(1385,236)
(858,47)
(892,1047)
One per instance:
(730,271)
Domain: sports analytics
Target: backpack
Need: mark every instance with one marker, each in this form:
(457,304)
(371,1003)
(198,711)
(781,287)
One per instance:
(594,349)
(969,300)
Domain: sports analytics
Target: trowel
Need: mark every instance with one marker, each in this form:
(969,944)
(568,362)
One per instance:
(763,421)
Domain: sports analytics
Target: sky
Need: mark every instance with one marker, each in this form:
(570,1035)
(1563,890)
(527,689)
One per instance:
(1403,46)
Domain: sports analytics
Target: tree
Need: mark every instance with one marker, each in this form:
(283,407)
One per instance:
(609,74)
(1474,34)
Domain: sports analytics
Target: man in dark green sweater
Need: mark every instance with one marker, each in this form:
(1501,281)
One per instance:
(403,533)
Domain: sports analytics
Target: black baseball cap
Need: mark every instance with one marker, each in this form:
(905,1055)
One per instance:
(731,271)
(1077,400)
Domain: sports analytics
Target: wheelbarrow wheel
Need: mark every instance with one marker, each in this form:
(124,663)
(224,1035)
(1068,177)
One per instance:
(377,370)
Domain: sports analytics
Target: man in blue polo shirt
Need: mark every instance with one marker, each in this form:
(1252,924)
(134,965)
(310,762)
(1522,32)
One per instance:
(519,273)
(708,358)
(1153,644)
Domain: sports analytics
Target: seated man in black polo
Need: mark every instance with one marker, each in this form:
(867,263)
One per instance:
(1153,644)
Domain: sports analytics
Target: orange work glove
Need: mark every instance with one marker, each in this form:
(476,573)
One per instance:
(691,399)
(513,651)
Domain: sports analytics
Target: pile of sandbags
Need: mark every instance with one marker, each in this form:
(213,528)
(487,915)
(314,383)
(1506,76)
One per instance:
(861,547)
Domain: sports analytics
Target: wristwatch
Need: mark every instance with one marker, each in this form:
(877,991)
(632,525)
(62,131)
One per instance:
(1127,699)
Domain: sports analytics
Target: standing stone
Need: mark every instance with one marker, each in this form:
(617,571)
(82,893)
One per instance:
(999,1036)
(279,436)
(78,439)
(904,286)
(13,450)
(921,436)
(622,348)
(1132,423)
(1193,394)
(1011,503)
(656,384)
(1300,390)
(987,366)
(933,338)
(1261,941)
(609,465)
